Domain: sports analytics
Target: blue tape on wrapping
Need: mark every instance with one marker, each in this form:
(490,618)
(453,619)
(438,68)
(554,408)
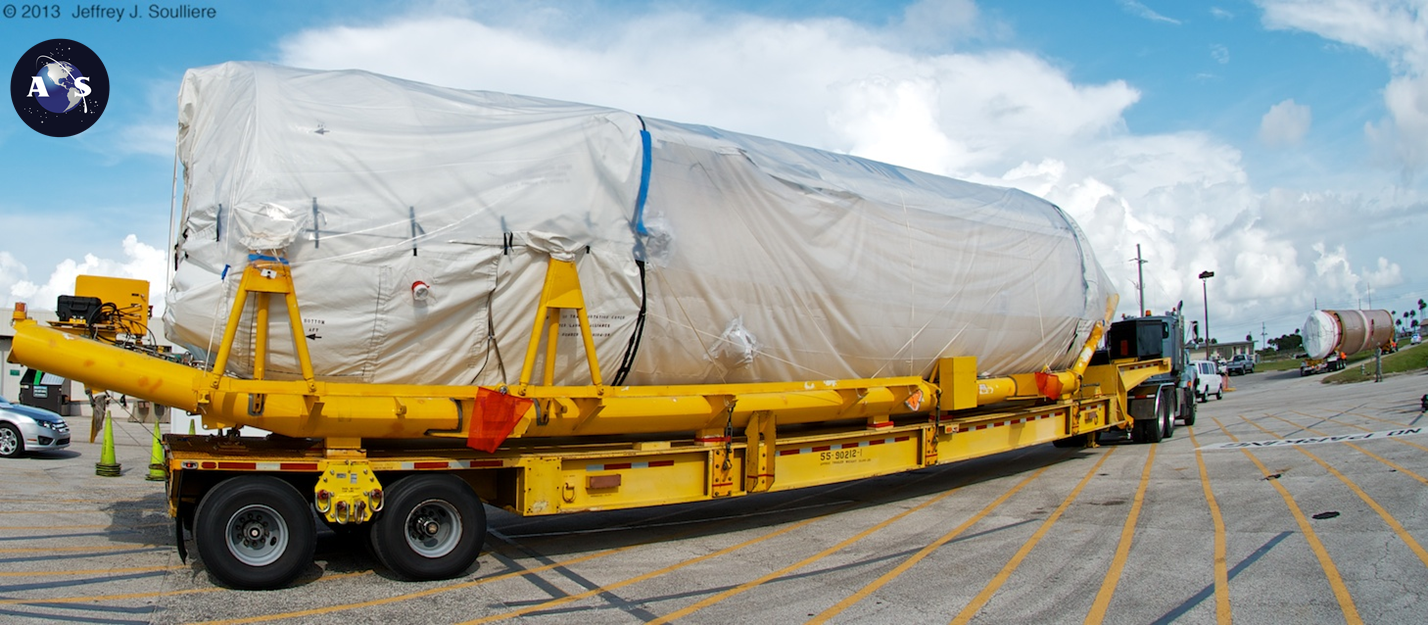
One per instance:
(645,159)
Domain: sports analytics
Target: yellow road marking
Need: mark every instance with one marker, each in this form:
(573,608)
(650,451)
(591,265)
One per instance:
(1360,414)
(800,564)
(137,569)
(1222,574)
(639,578)
(477,582)
(421,593)
(1360,427)
(1382,513)
(1366,452)
(836,608)
(30,528)
(150,595)
(1336,582)
(1118,562)
(71,549)
(991,588)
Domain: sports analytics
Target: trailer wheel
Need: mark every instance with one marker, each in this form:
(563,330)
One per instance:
(254,532)
(431,527)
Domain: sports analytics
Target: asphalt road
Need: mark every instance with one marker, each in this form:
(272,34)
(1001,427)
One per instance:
(1121,533)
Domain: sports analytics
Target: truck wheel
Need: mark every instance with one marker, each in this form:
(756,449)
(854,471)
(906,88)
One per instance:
(1219,394)
(254,532)
(1187,412)
(1146,431)
(1167,417)
(431,527)
(11,443)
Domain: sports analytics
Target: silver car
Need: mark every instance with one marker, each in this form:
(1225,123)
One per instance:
(26,428)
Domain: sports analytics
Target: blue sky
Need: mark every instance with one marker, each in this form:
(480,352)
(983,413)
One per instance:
(1280,143)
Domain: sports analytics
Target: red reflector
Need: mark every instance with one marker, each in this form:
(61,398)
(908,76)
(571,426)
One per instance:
(210,465)
(788,452)
(877,441)
(662,463)
(430,465)
(902,439)
(848,446)
(823,448)
(297,466)
(238,466)
(617,466)
(478,464)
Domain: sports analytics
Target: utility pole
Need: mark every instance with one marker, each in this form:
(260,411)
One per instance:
(1140,279)
(1263,336)
(1205,292)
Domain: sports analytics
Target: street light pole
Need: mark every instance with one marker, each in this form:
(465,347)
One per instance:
(1205,292)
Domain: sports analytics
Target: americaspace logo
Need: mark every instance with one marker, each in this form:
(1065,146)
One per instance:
(59,88)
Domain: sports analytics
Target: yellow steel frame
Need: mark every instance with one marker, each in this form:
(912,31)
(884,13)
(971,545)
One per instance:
(1036,407)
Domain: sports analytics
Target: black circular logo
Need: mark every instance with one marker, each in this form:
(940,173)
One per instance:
(60,88)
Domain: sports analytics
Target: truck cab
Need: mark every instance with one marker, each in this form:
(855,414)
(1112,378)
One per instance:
(1162,399)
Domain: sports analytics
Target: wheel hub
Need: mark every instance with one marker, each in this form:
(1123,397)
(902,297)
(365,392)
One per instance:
(433,528)
(257,536)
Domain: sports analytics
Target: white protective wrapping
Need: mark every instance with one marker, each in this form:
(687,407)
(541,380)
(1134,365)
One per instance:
(425,216)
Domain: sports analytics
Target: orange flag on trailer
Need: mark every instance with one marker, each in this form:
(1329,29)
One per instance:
(495,416)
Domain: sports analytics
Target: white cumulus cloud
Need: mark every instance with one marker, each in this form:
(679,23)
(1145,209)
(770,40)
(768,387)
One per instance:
(1285,124)
(1397,32)
(141,261)
(996,116)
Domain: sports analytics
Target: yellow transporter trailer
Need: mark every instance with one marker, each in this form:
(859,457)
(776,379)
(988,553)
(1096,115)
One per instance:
(412,465)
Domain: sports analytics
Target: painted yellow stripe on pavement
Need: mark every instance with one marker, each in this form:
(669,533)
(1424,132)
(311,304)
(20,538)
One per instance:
(800,564)
(31,528)
(332,609)
(1118,562)
(136,569)
(1360,414)
(640,578)
(72,549)
(991,588)
(150,595)
(862,593)
(420,593)
(1394,465)
(1331,572)
(1382,513)
(1221,564)
(1360,427)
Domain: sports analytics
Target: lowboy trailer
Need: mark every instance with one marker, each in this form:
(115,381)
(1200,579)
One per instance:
(412,465)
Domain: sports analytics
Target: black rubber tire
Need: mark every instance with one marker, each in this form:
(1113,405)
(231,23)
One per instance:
(446,502)
(1220,394)
(1168,418)
(1146,431)
(270,506)
(13,443)
(1187,412)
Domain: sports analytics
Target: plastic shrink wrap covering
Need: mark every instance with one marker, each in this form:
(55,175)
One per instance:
(419,220)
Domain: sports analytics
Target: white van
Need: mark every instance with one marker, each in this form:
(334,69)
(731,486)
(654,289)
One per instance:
(1207,380)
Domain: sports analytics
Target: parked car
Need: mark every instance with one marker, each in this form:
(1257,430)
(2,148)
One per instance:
(1240,365)
(1208,380)
(26,428)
